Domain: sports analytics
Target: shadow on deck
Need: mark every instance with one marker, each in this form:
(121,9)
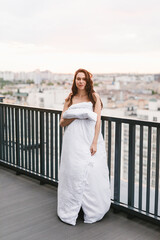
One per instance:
(28,212)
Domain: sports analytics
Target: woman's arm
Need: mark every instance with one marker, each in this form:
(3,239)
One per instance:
(97,109)
(65,122)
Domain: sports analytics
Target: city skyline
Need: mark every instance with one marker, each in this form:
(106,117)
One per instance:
(101,36)
(72,73)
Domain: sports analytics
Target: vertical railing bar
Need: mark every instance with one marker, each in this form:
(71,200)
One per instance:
(3,137)
(102,124)
(42,143)
(17,137)
(117,162)
(29,139)
(37,148)
(56,148)
(33,162)
(1,132)
(60,139)
(6,132)
(9,130)
(47,146)
(25,133)
(157,172)
(13,140)
(148,170)
(52,159)
(11,127)
(131,166)
(140,167)
(109,146)
(22,159)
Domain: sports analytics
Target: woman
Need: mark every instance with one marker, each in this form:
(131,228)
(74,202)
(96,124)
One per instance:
(83,175)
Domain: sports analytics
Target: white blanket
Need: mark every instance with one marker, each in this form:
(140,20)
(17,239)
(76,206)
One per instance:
(83,179)
(81,113)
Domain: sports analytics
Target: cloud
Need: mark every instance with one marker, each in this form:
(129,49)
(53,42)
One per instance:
(79,27)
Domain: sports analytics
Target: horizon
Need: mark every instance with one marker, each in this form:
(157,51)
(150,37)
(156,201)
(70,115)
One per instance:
(69,73)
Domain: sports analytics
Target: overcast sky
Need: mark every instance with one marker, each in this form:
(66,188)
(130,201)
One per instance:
(64,35)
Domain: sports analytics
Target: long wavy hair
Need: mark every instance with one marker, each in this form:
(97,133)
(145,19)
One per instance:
(89,87)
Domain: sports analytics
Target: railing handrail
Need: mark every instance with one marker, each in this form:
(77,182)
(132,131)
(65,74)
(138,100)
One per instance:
(103,117)
(41,109)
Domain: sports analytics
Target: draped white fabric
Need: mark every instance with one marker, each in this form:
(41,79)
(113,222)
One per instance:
(83,179)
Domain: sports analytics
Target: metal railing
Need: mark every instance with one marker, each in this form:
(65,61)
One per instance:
(31,142)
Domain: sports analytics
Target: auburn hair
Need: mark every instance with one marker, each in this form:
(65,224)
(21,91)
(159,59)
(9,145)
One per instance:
(89,87)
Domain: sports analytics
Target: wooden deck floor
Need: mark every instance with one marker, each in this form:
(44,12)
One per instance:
(28,212)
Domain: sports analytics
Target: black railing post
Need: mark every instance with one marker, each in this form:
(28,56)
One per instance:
(42,145)
(9,130)
(29,139)
(117,162)
(47,146)
(157,172)
(1,132)
(148,170)
(102,125)
(60,140)
(131,165)
(109,146)
(6,131)
(56,147)
(22,127)
(51,144)
(140,168)
(17,139)
(3,135)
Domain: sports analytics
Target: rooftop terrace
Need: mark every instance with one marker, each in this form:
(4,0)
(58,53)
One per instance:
(30,145)
(28,211)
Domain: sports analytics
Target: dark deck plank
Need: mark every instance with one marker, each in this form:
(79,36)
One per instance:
(28,212)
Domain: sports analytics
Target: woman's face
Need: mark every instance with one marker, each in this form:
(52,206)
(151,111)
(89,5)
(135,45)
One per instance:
(80,81)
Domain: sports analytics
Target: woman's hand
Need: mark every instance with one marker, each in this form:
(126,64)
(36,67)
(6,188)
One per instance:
(65,122)
(93,149)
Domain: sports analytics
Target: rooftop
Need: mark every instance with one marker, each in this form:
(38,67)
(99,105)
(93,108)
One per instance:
(28,211)
(30,145)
